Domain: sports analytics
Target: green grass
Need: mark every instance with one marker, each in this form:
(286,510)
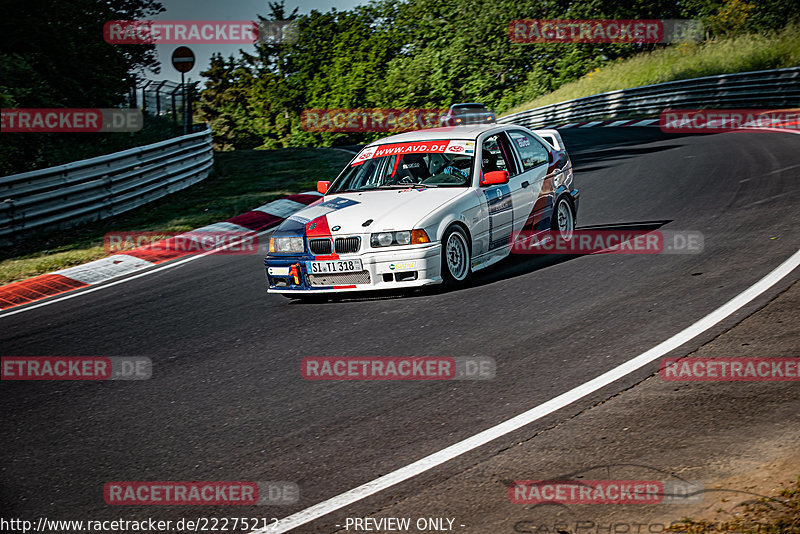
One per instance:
(683,61)
(242,180)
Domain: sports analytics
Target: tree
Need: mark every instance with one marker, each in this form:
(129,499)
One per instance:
(52,54)
(428,54)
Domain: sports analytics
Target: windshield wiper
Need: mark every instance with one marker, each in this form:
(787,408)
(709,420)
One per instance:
(353,190)
(405,186)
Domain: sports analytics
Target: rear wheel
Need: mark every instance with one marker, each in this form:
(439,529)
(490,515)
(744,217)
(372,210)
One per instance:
(456,260)
(563,220)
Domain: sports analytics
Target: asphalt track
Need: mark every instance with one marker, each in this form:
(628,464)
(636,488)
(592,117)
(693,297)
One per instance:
(226,401)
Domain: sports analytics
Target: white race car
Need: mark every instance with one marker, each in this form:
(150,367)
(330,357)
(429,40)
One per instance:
(425,207)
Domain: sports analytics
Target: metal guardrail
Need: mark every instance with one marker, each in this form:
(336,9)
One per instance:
(101,187)
(759,89)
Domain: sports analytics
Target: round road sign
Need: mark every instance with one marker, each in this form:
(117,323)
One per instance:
(183,59)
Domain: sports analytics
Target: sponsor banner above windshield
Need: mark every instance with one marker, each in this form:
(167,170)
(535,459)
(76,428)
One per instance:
(456,146)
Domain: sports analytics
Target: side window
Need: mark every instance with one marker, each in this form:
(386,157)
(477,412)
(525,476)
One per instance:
(496,155)
(532,152)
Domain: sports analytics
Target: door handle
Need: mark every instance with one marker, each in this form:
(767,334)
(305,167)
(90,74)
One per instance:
(525,183)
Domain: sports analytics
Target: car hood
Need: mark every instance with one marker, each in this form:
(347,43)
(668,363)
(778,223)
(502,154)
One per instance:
(392,209)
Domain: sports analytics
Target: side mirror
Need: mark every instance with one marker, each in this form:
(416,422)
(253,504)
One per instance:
(322,187)
(495,177)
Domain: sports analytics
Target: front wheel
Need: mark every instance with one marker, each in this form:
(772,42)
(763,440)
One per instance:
(456,260)
(563,218)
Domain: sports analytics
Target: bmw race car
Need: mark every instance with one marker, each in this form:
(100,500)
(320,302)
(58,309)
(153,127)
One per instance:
(425,207)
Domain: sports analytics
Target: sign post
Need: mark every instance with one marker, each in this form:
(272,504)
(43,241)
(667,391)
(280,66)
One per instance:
(183,61)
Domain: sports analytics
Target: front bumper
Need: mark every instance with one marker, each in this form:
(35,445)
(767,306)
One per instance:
(393,268)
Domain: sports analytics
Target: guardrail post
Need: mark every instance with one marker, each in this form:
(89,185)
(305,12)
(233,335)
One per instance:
(174,109)
(192,93)
(144,96)
(8,208)
(158,97)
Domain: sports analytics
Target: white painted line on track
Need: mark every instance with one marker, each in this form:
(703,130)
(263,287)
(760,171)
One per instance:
(429,462)
(156,269)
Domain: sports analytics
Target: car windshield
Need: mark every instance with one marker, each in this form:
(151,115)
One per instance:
(446,163)
(472,108)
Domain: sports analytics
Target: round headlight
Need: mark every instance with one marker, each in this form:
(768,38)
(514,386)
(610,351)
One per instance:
(402,238)
(385,239)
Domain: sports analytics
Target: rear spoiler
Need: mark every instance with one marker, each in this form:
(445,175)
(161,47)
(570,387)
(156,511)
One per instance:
(552,137)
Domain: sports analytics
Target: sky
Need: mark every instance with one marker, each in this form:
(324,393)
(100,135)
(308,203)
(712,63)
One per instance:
(224,10)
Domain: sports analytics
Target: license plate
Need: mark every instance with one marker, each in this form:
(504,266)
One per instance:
(334,266)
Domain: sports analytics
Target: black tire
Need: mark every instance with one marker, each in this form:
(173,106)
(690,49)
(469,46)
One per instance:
(456,257)
(563,218)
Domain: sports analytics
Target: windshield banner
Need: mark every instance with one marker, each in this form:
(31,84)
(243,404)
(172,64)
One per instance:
(440,147)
